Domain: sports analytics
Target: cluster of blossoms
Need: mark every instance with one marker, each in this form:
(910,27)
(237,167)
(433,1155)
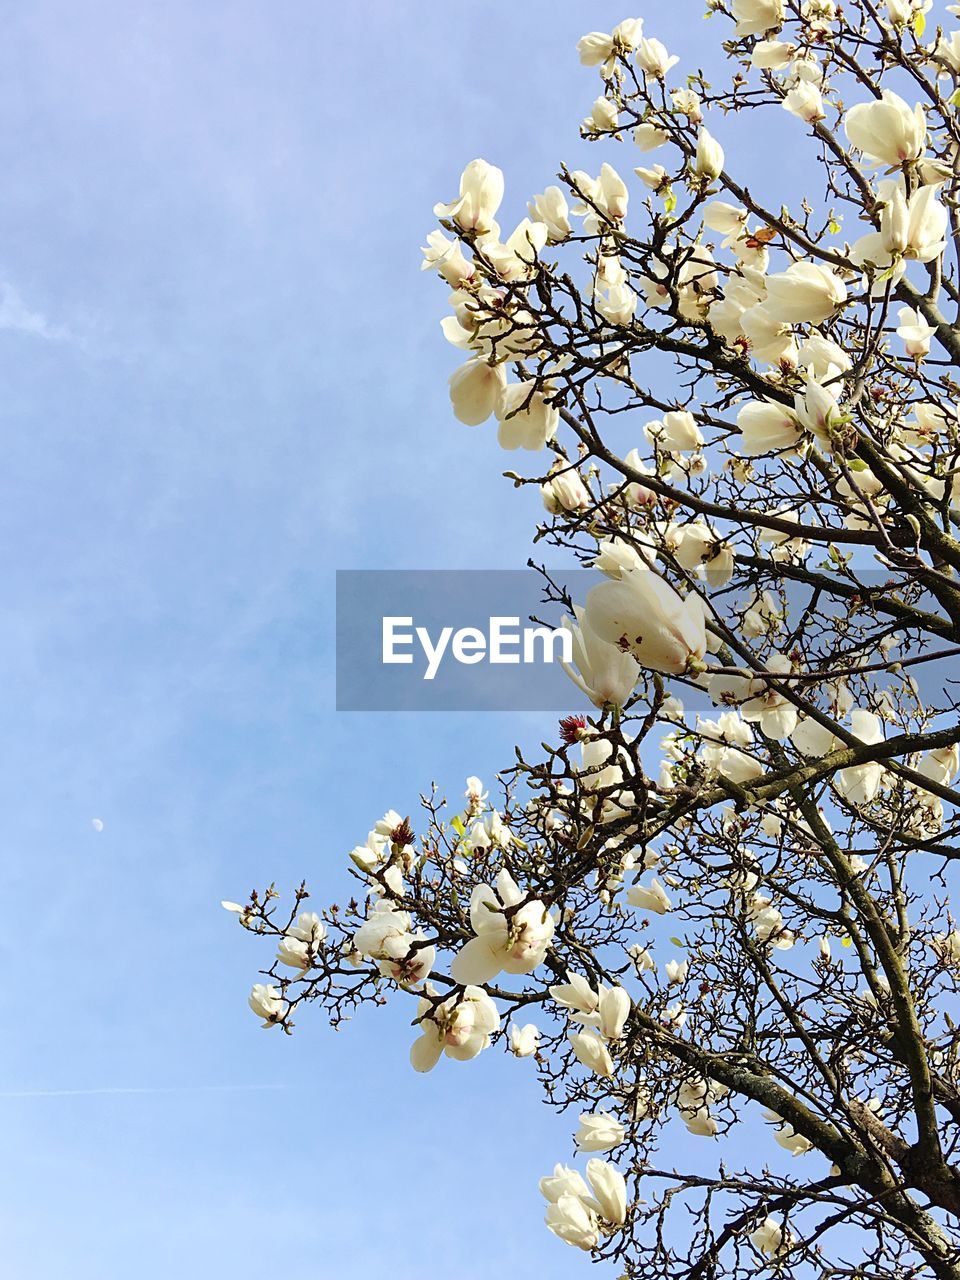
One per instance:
(765,782)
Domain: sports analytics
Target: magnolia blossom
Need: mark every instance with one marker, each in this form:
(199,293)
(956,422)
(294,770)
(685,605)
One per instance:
(652,897)
(773,711)
(818,411)
(599,1131)
(676,971)
(766,425)
(516,258)
(914,332)
(886,130)
(770,1238)
(565,491)
(947,948)
(601,670)
(300,944)
(267,1003)
(643,615)
(613,1009)
(524,1040)
(654,60)
(447,258)
(527,421)
(772,55)
(648,137)
(460,1027)
(481,191)
(592,1052)
(609,1190)
(708,160)
(806,293)
(512,935)
(806,102)
(551,209)
(603,115)
(597,49)
(687,103)
(677,431)
(700,550)
(755,17)
(476,390)
(572,1221)
(859,784)
(576,994)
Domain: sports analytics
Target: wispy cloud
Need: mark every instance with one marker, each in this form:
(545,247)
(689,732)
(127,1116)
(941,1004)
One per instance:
(17,316)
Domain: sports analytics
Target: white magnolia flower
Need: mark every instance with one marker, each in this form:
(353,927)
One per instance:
(601,670)
(886,130)
(488,832)
(677,971)
(300,944)
(767,426)
(818,410)
(708,160)
(565,491)
(476,390)
(460,1027)
(524,1040)
(773,711)
(603,115)
(687,103)
(652,897)
(592,1052)
(770,1238)
(609,1190)
(642,960)
(914,332)
(643,615)
(806,102)
(481,191)
(551,209)
(755,17)
(648,137)
(577,994)
(859,784)
(597,49)
(655,177)
(813,739)
(772,55)
(516,258)
(526,420)
(267,1003)
(946,947)
(573,1222)
(446,257)
(510,937)
(599,1131)
(806,293)
(676,431)
(654,59)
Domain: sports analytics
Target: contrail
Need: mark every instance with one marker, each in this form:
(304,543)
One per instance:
(186,1088)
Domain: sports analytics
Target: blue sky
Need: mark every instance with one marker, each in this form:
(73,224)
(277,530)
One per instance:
(222,380)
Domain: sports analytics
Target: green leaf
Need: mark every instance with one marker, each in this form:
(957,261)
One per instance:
(919,24)
(846,942)
(676,942)
(457,825)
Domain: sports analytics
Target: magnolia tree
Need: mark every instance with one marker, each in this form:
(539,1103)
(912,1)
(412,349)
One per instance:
(742,409)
